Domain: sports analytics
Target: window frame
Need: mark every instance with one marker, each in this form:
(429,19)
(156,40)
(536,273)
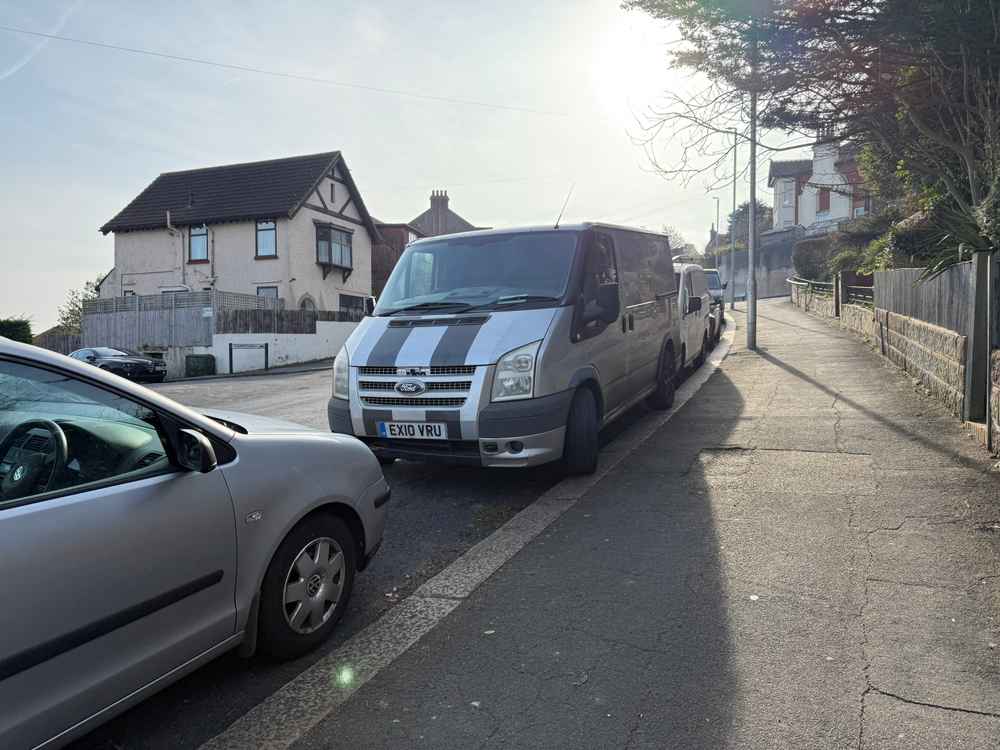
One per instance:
(347,233)
(277,295)
(256,241)
(823,196)
(191,236)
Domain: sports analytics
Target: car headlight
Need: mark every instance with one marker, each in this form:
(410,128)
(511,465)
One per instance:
(342,375)
(515,374)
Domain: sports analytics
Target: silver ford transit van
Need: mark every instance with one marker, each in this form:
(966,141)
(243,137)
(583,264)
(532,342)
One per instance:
(511,347)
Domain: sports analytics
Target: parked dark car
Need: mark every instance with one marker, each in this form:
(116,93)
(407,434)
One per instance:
(128,364)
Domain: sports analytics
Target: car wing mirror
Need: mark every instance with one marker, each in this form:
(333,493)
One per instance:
(195,452)
(725,284)
(369,305)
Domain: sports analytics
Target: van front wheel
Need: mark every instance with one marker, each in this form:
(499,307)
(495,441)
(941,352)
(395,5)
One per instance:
(581,446)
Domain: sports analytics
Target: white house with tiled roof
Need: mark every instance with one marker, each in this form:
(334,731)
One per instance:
(819,193)
(295,228)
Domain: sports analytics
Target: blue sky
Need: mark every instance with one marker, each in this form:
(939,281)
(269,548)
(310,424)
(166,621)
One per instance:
(85,129)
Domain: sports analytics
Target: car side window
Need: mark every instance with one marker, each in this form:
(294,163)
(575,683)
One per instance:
(59,433)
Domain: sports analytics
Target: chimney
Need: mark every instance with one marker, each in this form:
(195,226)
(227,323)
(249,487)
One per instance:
(439,212)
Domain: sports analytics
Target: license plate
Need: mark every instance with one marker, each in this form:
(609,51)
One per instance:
(415,430)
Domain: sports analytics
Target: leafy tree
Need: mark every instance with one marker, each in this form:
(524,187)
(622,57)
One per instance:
(739,221)
(916,81)
(71,311)
(16,329)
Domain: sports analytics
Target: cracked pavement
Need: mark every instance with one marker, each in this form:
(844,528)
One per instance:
(805,556)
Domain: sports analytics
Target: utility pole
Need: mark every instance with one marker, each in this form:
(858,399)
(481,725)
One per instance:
(732,234)
(717,227)
(752,239)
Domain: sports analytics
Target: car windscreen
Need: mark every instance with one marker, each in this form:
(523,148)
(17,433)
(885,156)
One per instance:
(489,271)
(104,351)
(714,282)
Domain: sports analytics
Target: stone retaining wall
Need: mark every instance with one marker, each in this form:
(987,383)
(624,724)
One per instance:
(933,355)
(810,301)
(860,320)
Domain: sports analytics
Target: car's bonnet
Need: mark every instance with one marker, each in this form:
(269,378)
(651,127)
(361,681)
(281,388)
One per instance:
(445,340)
(254,423)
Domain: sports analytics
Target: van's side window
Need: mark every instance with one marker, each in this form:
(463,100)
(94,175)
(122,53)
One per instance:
(601,268)
(643,259)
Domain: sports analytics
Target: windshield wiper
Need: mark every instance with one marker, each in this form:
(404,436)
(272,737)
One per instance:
(516,299)
(462,307)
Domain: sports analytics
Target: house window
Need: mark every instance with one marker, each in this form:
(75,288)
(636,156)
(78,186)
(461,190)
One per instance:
(354,304)
(333,192)
(823,200)
(271,292)
(267,239)
(198,245)
(333,247)
(307,304)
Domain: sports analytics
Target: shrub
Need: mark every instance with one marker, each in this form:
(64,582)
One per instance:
(810,258)
(16,329)
(848,259)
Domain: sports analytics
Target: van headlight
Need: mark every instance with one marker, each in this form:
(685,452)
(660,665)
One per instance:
(515,374)
(342,375)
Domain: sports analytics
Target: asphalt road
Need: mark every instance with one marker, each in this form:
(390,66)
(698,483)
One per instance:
(436,514)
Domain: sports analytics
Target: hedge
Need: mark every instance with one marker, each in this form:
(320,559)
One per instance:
(17,329)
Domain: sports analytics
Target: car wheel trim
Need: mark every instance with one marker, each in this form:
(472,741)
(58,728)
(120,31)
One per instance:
(313,585)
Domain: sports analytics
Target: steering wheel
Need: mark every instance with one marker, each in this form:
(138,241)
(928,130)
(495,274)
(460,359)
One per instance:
(25,471)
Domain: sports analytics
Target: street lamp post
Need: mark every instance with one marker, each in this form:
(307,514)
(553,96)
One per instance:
(732,234)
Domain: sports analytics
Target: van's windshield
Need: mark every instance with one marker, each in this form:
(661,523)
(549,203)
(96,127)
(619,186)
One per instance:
(714,282)
(490,271)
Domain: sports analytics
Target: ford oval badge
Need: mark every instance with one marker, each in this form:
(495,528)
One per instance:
(411,387)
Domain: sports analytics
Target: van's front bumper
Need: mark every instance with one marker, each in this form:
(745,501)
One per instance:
(514,434)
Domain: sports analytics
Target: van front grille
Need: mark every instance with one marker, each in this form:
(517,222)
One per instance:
(440,385)
(420,403)
(404,372)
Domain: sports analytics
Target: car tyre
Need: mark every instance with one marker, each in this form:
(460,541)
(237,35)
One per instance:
(385,460)
(306,587)
(666,384)
(582,426)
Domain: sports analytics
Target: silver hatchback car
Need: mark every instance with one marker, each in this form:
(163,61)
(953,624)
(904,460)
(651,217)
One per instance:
(140,539)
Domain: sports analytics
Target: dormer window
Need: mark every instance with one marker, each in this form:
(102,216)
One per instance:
(823,200)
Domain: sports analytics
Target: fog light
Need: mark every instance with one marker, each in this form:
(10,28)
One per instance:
(515,446)
(491,447)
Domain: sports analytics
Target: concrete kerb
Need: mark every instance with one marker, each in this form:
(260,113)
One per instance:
(288,714)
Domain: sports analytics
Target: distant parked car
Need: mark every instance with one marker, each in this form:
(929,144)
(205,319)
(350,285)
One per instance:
(123,362)
(717,289)
(140,539)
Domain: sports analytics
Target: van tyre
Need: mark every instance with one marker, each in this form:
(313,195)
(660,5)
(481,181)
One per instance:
(700,359)
(581,444)
(666,384)
(306,587)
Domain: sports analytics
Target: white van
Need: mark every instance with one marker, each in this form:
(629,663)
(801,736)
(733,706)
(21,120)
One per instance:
(512,347)
(694,303)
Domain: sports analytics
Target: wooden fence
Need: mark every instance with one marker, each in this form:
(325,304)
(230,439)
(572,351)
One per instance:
(64,343)
(942,301)
(279,321)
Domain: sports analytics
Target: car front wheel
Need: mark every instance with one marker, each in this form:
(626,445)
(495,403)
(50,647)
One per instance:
(306,587)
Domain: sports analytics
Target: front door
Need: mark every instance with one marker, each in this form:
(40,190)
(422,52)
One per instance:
(117,567)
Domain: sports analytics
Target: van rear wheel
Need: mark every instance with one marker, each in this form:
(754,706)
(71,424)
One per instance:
(580,447)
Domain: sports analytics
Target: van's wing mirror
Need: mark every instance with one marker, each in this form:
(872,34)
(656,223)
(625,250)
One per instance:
(608,301)
(369,305)
(725,284)
(694,304)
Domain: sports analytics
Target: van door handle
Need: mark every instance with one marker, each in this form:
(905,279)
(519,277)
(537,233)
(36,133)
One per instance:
(625,323)
(631,321)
